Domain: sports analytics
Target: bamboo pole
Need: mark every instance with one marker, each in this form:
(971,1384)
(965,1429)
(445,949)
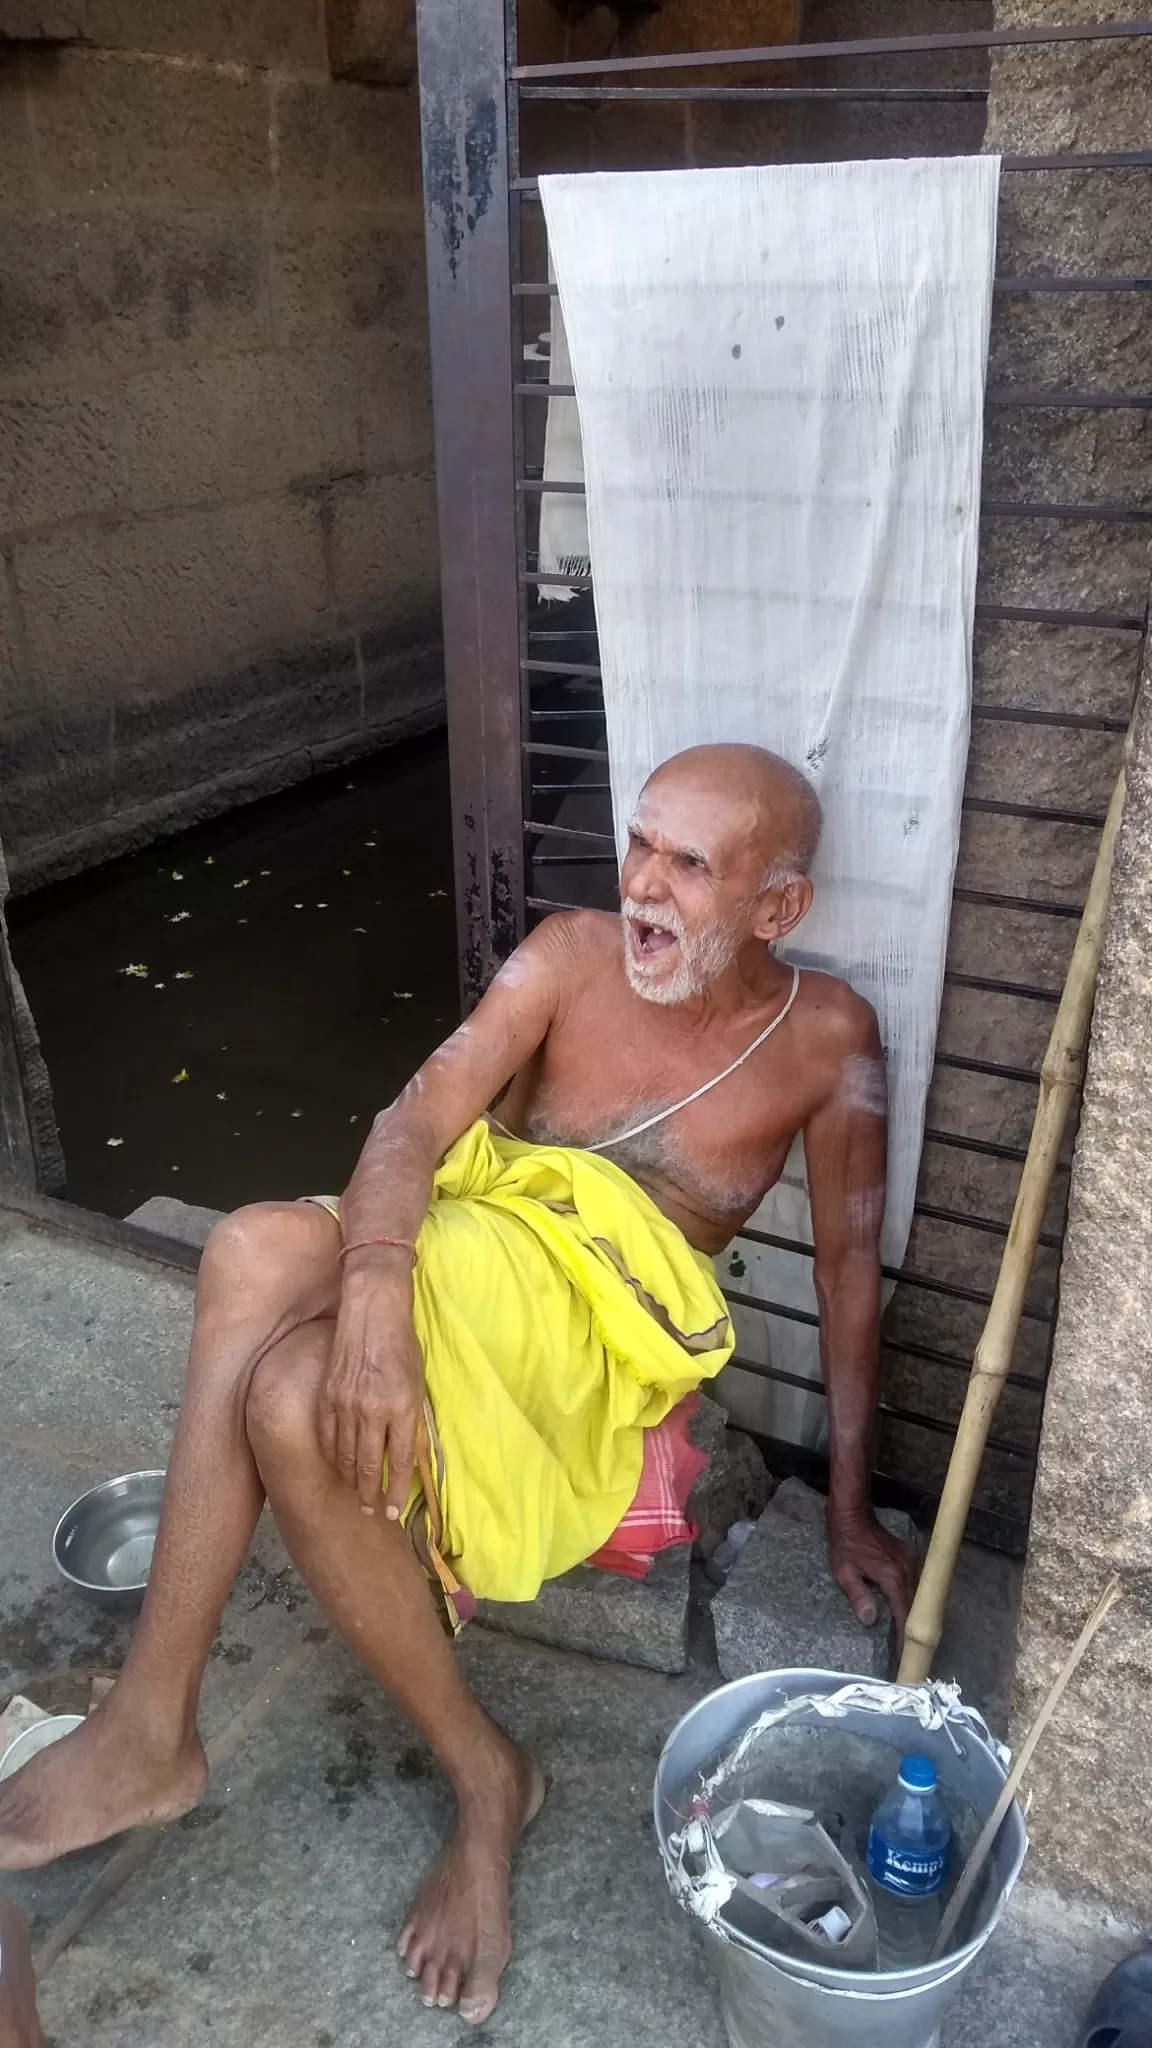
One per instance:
(991,1828)
(1059,1080)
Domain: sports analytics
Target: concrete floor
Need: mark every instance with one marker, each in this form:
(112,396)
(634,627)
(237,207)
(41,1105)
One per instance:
(266,1918)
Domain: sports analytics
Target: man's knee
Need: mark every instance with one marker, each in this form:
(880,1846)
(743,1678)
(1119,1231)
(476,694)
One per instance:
(281,1410)
(265,1245)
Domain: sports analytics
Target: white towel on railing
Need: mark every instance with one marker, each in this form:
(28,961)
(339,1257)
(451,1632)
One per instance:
(780,380)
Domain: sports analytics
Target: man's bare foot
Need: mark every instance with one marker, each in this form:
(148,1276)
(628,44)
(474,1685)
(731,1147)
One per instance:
(98,1781)
(457,1938)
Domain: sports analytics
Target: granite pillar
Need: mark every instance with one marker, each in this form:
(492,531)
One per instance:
(1092,1511)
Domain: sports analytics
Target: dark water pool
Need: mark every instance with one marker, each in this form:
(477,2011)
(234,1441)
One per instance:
(293,963)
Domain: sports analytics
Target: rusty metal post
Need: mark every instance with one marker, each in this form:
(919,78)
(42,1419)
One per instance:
(463,72)
(19,1166)
(17,1156)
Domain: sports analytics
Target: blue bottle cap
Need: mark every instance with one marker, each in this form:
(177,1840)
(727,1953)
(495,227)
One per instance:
(918,1773)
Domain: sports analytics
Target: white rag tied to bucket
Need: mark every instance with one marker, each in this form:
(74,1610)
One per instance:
(780,381)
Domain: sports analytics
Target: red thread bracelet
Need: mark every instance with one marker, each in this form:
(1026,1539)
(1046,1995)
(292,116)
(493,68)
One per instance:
(402,1244)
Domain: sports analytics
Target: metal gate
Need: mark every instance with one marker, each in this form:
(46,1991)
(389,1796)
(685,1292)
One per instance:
(528,758)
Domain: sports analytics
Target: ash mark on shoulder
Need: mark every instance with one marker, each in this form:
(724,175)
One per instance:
(864,1085)
(512,973)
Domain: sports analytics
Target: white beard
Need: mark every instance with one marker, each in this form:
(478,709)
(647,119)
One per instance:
(704,956)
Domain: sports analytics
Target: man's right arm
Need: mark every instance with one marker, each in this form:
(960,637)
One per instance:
(371,1404)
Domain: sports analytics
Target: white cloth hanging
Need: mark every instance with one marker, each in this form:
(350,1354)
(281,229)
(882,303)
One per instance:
(780,377)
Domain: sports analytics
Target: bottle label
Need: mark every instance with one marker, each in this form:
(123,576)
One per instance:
(913,1873)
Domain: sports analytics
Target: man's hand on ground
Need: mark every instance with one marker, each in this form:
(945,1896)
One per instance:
(372,1403)
(862,1555)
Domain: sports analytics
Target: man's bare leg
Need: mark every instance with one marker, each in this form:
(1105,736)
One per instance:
(138,1758)
(364,1573)
(19,2026)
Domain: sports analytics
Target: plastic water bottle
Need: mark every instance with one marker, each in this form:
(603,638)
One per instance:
(908,1845)
(728,1550)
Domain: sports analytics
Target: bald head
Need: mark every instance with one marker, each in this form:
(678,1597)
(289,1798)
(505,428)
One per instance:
(760,793)
(716,867)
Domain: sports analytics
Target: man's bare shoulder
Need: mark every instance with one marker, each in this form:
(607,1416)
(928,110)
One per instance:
(841,1025)
(564,947)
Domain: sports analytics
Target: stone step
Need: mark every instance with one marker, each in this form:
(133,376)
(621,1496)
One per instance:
(781,1608)
(645,1621)
(602,1614)
(171,1218)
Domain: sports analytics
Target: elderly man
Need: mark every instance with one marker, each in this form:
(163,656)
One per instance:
(442,1382)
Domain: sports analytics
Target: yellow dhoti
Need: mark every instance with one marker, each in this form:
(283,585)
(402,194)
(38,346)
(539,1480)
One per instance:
(560,1314)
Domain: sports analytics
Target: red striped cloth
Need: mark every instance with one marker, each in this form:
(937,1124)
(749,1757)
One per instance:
(658,1514)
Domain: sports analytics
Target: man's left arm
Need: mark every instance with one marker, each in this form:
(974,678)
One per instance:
(845,1145)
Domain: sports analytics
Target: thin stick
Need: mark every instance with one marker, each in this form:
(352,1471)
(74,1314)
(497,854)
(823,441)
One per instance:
(1059,1080)
(991,1827)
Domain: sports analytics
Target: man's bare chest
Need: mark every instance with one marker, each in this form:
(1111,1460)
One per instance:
(607,1080)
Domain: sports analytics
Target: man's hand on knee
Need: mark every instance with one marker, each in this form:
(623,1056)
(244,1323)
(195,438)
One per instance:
(372,1403)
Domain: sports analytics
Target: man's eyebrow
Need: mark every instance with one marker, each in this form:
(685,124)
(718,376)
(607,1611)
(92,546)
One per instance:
(636,830)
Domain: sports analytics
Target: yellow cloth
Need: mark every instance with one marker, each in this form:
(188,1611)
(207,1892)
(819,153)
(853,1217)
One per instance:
(560,1315)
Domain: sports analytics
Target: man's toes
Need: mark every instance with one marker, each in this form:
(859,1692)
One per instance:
(430,1981)
(414,1951)
(481,1993)
(450,1979)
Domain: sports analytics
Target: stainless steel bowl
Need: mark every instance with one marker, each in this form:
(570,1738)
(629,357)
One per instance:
(103,1542)
(41,1735)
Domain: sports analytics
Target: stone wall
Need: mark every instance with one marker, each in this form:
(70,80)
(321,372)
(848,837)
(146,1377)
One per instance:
(1092,1511)
(1053,98)
(217,515)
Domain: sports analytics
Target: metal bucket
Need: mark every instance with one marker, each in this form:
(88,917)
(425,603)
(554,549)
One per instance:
(772,2000)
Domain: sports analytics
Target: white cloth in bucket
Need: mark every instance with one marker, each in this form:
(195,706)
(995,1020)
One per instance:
(780,380)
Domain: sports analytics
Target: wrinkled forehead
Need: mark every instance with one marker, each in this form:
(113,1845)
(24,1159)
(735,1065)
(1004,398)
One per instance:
(696,815)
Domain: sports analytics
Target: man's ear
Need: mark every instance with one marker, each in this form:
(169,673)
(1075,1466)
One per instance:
(780,910)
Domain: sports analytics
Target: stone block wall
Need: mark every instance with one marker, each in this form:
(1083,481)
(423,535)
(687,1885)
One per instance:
(218,563)
(1092,1512)
(1045,98)
(1092,1508)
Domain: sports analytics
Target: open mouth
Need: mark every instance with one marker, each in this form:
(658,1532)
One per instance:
(651,940)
